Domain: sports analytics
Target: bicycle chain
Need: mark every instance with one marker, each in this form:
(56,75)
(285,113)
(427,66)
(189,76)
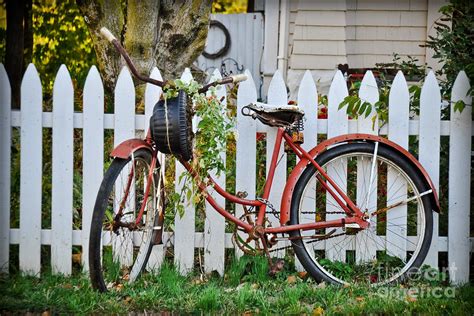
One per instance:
(309,242)
(276,213)
(313,241)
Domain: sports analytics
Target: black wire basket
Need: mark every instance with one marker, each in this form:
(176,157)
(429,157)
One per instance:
(171,126)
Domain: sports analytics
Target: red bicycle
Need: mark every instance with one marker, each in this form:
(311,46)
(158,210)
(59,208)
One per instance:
(356,208)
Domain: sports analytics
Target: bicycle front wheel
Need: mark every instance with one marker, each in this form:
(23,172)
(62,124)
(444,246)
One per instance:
(120,240)
(385,186)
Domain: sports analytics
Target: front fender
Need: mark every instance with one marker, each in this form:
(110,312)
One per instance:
(298,170)
(128,147)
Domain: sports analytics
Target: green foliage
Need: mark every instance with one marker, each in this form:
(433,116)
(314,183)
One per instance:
(214,127)
(247,269)
(453,43)
(229,6)
(169,292)
(356,107)
(3,36)
(61,37)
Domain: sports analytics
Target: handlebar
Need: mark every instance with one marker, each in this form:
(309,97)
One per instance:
(111,38)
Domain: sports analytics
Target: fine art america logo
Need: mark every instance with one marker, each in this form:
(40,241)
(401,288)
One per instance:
(422,283)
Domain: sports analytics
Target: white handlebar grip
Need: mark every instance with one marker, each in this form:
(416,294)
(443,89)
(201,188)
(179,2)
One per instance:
(239,78)
(107,34)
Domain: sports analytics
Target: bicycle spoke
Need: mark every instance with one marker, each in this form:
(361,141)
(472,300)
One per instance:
(379,253)
(124,242)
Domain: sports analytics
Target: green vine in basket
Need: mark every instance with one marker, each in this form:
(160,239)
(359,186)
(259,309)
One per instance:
(214,126)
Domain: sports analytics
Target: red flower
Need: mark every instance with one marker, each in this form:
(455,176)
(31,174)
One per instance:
(323,113)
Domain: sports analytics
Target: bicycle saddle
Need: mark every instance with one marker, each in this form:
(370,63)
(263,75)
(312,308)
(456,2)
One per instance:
(279,116)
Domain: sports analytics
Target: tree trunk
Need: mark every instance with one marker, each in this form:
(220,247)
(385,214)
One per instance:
(14,47)
(28,34)
(167,34)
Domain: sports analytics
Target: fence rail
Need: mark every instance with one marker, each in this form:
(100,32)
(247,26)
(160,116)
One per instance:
(214,240)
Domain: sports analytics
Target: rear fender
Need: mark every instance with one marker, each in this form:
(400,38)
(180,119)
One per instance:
(335,141)
(126,148)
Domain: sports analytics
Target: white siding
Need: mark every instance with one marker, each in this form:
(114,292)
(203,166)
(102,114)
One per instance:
(319,35)
(360,33)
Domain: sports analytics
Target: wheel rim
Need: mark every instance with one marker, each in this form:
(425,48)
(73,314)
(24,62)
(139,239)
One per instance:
(389,247)
(125,250)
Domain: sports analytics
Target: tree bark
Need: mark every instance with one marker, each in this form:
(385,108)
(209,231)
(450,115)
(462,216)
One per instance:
(14,47)
(98,14)
(183,31)
(167,34)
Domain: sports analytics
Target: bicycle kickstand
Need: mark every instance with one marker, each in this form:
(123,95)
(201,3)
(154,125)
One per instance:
(279,264)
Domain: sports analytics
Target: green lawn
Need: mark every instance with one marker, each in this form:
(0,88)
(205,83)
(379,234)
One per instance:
(244,288)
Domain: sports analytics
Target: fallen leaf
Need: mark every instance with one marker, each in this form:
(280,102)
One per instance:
(254,286)
(318,311)
(303,274)
(321,285)
(359,298)
(196,281)
(77,258)
(411,299)
(291,279)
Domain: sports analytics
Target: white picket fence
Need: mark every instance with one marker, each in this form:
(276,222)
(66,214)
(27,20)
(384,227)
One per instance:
(214,240)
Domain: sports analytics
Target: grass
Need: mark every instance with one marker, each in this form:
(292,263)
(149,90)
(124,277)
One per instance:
(245,288)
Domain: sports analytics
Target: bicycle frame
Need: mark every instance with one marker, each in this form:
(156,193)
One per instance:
(353,214)
(351,210)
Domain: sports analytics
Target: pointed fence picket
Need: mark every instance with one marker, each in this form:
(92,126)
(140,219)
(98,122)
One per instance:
(307,99)
(277,96)
(246,147)
(398,117)
(31,172)
(214,227)
(183,240)
(459,183)
(5,166)
(61,203)
(337,125)
(124,128)
(152,96)
(92,153)
(127,124)
(429,146)
(366,241)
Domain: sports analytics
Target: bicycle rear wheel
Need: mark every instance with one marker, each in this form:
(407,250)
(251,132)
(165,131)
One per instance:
(389,189)
(121,243)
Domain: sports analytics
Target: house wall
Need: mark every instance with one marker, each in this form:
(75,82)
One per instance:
(361,33)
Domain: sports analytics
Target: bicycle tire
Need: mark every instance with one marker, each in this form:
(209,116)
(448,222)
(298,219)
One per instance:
(120,254)
(346,266)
